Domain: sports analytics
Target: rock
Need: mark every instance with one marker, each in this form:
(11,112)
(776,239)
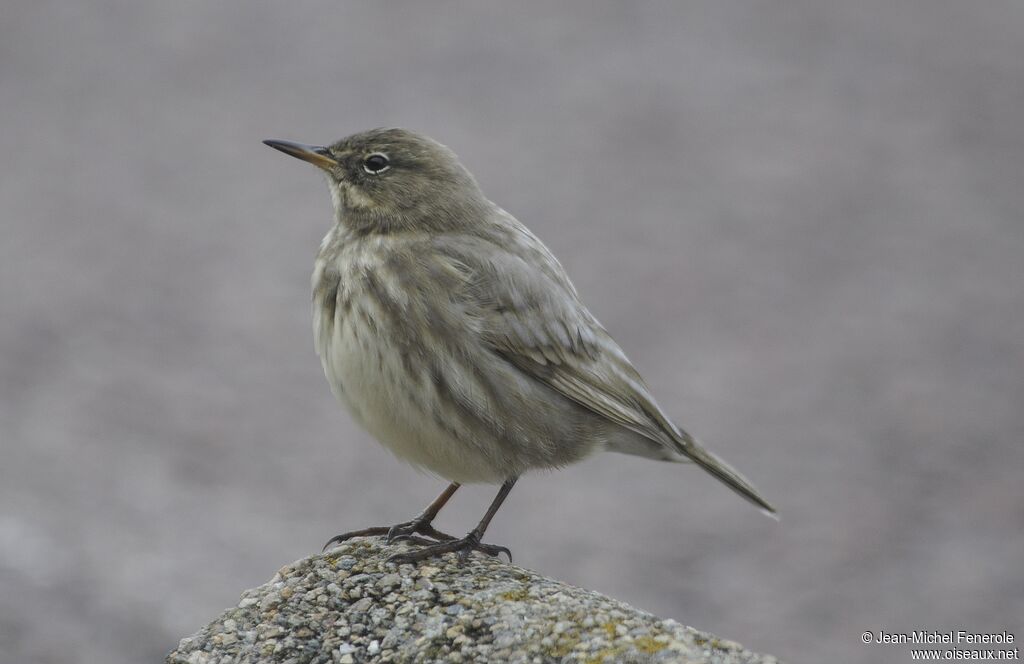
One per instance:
(351,605)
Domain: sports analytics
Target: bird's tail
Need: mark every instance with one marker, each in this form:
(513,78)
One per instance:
(723,472)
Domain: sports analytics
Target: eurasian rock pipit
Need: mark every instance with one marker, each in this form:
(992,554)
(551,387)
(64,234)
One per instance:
(454,336)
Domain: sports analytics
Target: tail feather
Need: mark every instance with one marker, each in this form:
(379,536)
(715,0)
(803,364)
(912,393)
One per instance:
(724,473)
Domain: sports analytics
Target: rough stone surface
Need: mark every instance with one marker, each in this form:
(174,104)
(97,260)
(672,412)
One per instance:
(350,605)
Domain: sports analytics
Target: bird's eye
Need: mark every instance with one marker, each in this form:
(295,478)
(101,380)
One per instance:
(376,163)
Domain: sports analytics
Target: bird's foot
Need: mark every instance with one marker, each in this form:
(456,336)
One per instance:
(461,547)
(407,531)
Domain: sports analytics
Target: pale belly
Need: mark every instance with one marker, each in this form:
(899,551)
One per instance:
(441,407)
(397,407)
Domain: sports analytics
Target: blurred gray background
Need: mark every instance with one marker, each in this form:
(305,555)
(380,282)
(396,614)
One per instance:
(801,219)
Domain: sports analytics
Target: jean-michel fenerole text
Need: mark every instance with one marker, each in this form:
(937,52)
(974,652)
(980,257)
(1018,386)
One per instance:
(932,636)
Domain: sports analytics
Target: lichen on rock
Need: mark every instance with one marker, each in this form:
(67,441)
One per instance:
(351,605)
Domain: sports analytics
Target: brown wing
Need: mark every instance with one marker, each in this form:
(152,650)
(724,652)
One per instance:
(527,311)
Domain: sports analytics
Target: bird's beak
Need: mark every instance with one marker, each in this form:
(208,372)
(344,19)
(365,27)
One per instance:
(314,154)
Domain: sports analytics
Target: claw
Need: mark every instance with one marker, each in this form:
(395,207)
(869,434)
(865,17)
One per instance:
(413,539)
(403,530)
(365,532)
(397,533)
(494,550)
(461,547)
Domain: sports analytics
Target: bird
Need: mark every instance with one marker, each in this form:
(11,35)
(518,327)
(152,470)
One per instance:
(454,336)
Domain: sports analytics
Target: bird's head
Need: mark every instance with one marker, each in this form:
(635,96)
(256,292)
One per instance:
(393,179)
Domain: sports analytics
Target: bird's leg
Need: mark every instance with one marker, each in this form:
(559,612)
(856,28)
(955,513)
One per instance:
(407,530)
(467,544)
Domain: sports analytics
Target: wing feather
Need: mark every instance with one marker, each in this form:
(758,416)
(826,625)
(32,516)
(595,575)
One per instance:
(534,319)
(527,311)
